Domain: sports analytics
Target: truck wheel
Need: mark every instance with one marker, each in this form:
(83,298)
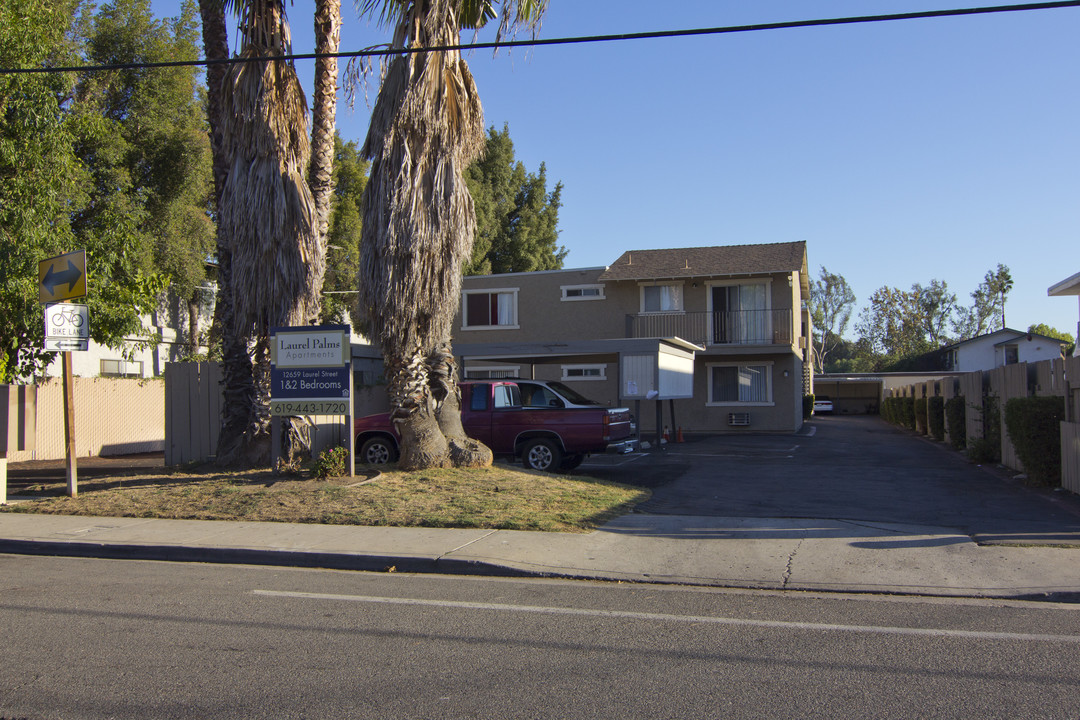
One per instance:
(377,451)
(541,454)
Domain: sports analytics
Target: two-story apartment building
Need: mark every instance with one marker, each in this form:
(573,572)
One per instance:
(717,336)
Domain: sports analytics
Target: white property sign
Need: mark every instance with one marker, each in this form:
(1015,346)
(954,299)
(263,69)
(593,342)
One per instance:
(296,348)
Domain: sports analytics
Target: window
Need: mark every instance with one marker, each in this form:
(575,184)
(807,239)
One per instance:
(582,292)
(507,396)
(479,399)
(740,384)
(121,368)
(740,314)
(661,298)
(1012,354)
(492,372)
(489,309)
(584,372)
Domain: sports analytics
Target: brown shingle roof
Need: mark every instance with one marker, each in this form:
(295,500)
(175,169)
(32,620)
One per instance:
(706,261)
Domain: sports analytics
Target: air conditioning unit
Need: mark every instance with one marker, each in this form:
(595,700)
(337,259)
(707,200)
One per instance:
(741,419)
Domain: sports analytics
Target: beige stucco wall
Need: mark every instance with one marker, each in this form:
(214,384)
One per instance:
(544,317)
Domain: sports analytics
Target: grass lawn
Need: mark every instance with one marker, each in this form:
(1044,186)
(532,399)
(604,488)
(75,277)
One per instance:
(500,497)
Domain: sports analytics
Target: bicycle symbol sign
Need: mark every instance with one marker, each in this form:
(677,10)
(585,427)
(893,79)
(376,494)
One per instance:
(67,327)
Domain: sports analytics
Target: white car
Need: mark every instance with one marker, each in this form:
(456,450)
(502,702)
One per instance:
(823,405)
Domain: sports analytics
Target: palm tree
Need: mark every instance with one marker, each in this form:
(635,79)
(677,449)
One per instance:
(419,222)
(273,203)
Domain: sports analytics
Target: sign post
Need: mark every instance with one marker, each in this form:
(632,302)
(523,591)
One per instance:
(67,328)
(311,374)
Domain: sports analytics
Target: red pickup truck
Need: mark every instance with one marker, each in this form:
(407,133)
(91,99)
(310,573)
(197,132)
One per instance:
(546,438)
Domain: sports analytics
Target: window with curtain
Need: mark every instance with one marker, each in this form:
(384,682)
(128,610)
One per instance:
(740,384)
(662,298)
(740,314)
(490,309)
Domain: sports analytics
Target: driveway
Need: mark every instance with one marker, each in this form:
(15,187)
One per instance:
(855,468)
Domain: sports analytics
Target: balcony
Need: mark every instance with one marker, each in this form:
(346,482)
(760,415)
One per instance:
(743,327)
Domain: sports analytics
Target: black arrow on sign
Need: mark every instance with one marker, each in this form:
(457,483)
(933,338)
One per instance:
(69,277)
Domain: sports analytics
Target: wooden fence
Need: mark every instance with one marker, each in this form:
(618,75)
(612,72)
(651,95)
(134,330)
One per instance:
(193,404)
(1060,378)
(193,401)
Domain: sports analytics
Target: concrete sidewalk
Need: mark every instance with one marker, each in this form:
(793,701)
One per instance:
(763,553)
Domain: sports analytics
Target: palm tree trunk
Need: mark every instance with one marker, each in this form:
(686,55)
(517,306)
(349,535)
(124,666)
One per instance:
(442,378)
(238,386)
(324,112)
(423,444)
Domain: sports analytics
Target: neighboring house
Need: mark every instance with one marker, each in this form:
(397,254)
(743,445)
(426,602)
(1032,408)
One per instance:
(721,332)
(1069,286)
(1003,347)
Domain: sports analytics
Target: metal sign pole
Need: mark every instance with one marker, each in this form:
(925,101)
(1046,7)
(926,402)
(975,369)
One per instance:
(351,420)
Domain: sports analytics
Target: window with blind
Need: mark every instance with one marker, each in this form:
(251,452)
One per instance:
(740,384)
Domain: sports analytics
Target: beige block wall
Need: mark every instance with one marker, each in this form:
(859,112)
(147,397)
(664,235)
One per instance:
(113,416)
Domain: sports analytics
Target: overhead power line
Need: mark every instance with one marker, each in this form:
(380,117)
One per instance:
(537,42)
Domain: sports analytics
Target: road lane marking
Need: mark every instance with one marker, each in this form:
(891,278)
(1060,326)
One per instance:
(690,619)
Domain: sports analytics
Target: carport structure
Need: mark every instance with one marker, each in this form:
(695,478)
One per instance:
(851,394)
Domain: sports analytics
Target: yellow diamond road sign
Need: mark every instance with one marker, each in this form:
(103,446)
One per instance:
(62,277)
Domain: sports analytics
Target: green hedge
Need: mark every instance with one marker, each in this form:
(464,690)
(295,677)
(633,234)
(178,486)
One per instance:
(907,412)
(899,411)
(920,415)
(890,410)
(987,448)
(807,406)
(1034,429)
(935,417)
(956,421)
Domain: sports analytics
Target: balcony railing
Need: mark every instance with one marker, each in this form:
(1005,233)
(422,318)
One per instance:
(742,327)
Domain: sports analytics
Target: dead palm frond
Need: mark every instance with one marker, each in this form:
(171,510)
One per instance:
(267,206)
(419,221)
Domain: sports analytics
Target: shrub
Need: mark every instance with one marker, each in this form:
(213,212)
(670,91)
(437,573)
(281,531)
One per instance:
(331,463)
(1034,429)
(956,421)
(987,448)
(889,410)
(920,415)
(807,406)
(907,412)
(935,417)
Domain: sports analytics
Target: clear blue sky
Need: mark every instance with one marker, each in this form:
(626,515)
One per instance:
(900,152)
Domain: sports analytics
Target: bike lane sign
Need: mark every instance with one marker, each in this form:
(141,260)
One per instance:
(67,327)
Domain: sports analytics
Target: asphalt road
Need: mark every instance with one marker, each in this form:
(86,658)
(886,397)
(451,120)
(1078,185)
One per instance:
(845,467)
(133,639)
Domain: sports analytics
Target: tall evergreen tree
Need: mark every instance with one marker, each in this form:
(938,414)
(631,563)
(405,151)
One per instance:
(151,148)
(517,217)
(343,235)
(56,163)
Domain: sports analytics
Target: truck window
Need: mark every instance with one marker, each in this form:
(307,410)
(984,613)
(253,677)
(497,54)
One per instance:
(479,399)
(503,396)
